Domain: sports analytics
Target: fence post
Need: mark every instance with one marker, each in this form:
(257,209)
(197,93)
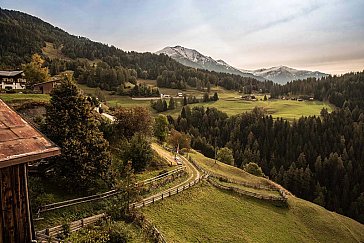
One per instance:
(153,199)
(177,190)
(47,232)
(162,196)
(169,192)
(82,223)
(143,203)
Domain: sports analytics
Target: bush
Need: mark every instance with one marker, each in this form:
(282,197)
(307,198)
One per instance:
(253,169)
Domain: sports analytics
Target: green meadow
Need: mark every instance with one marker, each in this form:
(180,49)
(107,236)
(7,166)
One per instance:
(207,214)
(229,102)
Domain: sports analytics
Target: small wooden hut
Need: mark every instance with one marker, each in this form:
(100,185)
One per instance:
(20,144)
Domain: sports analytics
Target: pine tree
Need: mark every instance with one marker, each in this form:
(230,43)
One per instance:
(185,100)
(171,105)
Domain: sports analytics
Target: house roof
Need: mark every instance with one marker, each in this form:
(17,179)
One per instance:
(10,73)
(49,81)
(19,141)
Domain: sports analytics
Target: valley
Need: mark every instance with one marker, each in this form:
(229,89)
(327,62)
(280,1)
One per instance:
(105,145)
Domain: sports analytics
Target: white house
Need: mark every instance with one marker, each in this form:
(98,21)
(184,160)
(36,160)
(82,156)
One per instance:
(12,80)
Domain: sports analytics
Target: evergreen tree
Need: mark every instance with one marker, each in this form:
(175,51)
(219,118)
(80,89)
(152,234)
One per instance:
(161,127)
(205,97)
(185,100)
(171,105)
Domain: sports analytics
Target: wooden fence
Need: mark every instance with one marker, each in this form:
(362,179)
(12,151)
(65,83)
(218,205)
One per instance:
(163,195)
(76,201)
(279,201)
(51,234)
(270,187)
(148,228)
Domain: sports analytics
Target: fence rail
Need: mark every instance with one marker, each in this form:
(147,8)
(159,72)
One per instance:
(76,201)
(274,199)
(50,234)
(163,195)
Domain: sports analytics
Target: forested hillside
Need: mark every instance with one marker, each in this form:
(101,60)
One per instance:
(346,90)
(23,35)
(318,158)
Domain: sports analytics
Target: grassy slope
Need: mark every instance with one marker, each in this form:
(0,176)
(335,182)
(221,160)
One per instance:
(207,214)
(225,170)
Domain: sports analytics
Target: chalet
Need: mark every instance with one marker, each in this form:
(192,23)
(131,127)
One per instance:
(20,144)
(12,80)
(46,87)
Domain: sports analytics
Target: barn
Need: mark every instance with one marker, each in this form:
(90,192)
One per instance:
(20,144)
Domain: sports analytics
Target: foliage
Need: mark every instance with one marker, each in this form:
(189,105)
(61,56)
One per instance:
(108,232)
(34,71)
(225,155)
(161,127)
(339,90)
(28,36)
(253,169)
(179,140)
(71,124)
(133,120)
(118,206)
(298,155)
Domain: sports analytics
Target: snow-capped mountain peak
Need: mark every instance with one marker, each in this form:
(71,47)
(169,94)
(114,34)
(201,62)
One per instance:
(283,74)
(193,58)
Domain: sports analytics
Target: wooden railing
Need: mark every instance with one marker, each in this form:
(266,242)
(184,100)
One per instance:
(271,187)
(76,201)
(163,195)
(50,234)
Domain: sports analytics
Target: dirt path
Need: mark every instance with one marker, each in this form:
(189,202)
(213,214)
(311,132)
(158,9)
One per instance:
(191,170)
(164,153)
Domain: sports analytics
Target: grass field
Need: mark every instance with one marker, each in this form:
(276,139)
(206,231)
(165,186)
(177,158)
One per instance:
(229,102)
(225,170)
(18,98)
(207,214)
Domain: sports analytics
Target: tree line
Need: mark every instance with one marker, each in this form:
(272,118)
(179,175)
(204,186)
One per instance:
(106,66)
(317,158)
(342,91)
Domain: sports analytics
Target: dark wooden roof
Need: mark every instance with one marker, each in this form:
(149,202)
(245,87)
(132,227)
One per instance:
(19,141)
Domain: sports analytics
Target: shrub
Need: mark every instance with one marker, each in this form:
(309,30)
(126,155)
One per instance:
(253,169)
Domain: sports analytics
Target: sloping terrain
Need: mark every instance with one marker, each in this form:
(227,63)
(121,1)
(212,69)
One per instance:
(208,214)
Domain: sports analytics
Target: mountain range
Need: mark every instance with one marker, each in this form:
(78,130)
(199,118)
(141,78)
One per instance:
(193,58)
(284,74)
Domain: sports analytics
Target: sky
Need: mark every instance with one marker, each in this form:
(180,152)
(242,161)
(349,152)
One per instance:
(324,35)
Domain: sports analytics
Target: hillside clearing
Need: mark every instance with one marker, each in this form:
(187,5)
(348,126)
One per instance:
(225,170)
(207,214)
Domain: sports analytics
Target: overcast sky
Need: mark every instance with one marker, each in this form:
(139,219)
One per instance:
(325,35)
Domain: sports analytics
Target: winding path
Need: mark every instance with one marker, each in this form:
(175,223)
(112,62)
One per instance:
(194,176)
